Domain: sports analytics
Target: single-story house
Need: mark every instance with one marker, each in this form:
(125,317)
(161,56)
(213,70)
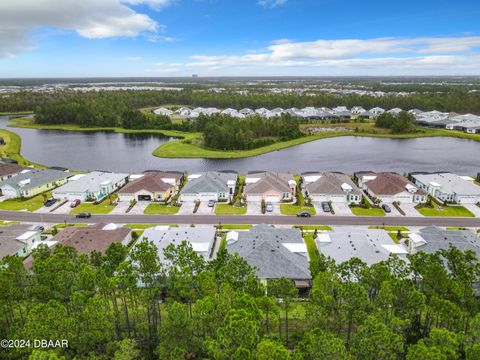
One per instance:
(152,186)
(200,238)
(274,252)
(269,186)
(163,111)
(33,182)
(93,186)
(391,187)
(370,246)
(212,185)
(17,240)
(8,170)
(448,187)
(431,239)
(86,239)
(331,186)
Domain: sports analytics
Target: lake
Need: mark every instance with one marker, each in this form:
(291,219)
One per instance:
(132,153)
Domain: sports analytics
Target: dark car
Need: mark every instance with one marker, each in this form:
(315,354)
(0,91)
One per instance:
(50,202)
(304,214)
(211,203)
(84,215)
(386,208)
(39,228)
(326,207)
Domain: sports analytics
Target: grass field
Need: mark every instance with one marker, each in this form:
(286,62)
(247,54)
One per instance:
(390,228)
(447,211)
(358,211)
(103,208)
(161,209)
(32,204)
(311,246)
(289,209)
(226,209)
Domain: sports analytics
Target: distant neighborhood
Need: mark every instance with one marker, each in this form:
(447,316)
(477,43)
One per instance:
(468,123)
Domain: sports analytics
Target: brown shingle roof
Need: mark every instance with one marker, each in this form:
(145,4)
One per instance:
(9,169)
(150,181)
(390,184)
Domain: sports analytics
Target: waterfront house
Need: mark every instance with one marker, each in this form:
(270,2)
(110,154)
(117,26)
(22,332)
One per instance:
(369,245)
(269,186)
(151,186)
(448,187)
(331,186)
(390,187)
(93,186)
(33,182)
(8,170)
(212,185)
(274,252)
(201,239)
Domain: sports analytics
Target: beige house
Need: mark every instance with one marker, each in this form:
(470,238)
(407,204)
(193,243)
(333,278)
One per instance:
(270,186)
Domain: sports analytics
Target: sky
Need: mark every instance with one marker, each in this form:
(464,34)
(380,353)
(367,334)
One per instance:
(158,38)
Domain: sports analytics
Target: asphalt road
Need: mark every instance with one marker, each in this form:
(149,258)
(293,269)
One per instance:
(242,219)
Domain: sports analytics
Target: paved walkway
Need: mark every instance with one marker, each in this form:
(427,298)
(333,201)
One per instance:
(121,207)
(474,209)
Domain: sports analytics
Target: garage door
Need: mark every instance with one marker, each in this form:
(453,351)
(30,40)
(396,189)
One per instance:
(144,197)
(337,199)
(272,198)
(208,196)
(254,198)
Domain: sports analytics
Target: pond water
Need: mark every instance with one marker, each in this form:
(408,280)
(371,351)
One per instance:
(133,153)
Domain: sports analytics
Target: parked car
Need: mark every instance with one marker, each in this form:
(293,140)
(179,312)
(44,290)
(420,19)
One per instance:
(84,215)
(386,208)
(211,203)
(326,207)
(269,207)
(75,203)
(50,202)
(39,228)
(304,214)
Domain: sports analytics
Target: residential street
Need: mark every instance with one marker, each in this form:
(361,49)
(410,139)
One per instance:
(242,219)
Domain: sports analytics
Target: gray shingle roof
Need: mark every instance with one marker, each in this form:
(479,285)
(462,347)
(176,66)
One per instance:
(211,181)
(37,178)
(91,182)
(268,181)
(437,239)
(263,247)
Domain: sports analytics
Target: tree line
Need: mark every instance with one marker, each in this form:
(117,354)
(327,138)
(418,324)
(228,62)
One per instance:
(107,105)
(129,305)
(400,123)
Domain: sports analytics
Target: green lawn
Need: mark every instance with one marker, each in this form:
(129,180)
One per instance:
(367,212)
(390,228)
(103,208)
(63,225)
(290,209)
(447,211)
(235,227)
(6,223)
(313,227)
(311,246)
(394,237)
(456,228)
(32,204)
(161,209)
(226,209)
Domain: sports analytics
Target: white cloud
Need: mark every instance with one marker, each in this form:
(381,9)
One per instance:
(133,58)
(430,55)
(271,3)
(167,64)
(93,19)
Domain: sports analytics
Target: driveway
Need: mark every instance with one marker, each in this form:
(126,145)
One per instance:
(394,211)
(341,209)
(410,210)
(121,207)
(186,208)
(64,209)
(319,210)
(139,208)
(203,209)
(255,208)
(473,208)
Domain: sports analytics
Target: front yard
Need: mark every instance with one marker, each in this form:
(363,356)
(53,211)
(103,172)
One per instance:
(290,209)
(359,211)
(102,208)
(157,209)
(32,204)
(226,209)
(446,211)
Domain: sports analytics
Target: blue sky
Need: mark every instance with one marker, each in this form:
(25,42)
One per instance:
(62,38)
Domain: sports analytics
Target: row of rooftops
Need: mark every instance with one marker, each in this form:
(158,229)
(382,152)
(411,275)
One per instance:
(274,252)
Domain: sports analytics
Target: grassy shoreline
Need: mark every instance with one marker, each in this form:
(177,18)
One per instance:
(12,148)
(186,146)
